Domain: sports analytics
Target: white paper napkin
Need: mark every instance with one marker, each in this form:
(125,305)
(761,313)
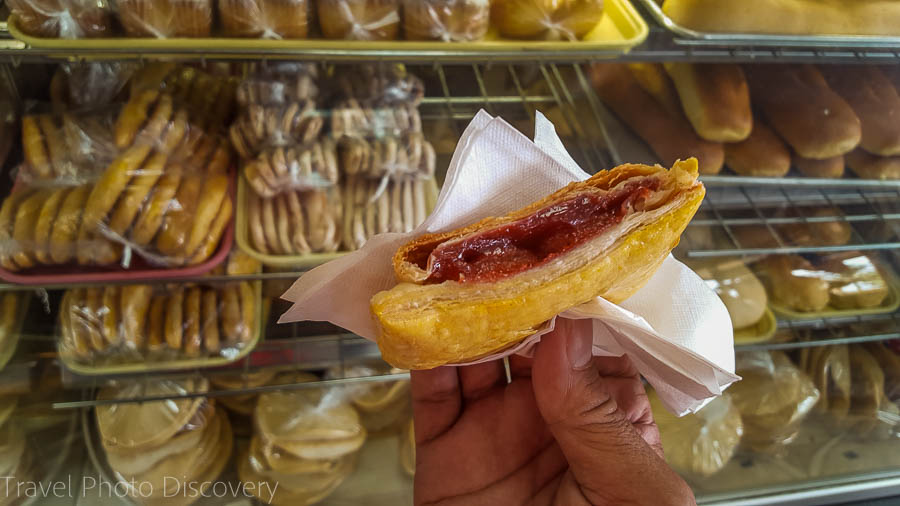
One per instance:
(675,329)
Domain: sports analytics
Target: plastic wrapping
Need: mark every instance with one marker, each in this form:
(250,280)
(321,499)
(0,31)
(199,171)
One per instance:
(12,315)
(144,323)
(773,398)
(378,85)
(268,19)
(359,19)
(740,290)
(66,19)
(381,404)
(258,127)
(305,441)
(699,444)
(289,168)
(279,89)
(546,19)
(166,18)
(89,85)
(245,404)
(372,207)
(446,20)
(168,444)
(846,280)
(350,118)
(407,156)
(889,361)
(295,223)
(67,148)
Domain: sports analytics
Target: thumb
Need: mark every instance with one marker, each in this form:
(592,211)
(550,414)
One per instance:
(608,459)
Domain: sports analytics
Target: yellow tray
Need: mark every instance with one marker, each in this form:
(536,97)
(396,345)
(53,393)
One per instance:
(71,362)
(302,262)
(889,305)
(620,29)
(763,331)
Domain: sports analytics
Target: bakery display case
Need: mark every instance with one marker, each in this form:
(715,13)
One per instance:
(172,167)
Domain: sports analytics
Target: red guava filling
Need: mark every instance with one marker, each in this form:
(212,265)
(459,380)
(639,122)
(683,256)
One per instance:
(521,245)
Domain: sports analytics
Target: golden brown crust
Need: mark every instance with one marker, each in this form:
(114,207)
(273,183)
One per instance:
(110,315)
(828,167)
(248,312)
(90,315)
(135,193)
(215,191)
(210,318)
(869,166)
(174,318)
(109,187)
(874,99)
(215,233)
(760,154)
(427,325)
(156,322)
(35,150)
(133,116)
(7,222)
(136,301)
(67,224)
(231,313)
(177,223)
(24,228)
(151,217)
(192,322)
(254,223)
(44,225)
(715,98)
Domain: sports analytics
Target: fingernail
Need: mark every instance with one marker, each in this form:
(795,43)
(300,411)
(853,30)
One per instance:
(579,344)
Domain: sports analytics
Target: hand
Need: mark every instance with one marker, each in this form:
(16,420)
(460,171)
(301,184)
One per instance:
(568,430)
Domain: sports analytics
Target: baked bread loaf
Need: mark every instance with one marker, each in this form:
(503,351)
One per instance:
(795,283)
(268,19)
(715,98)
(359,19)
(827,167)
(447,20)
(874,100)
(66,19)
(166,18)
(308,167)
(449,281)
(669,135)
(804,110)
(868,166)
(546,19)
(799,17)
(763,153)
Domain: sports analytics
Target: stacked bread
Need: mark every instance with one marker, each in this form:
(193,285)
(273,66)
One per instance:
(164,195)
(67,19)
(173,445)
(305,441)
(847,280)
(818,119)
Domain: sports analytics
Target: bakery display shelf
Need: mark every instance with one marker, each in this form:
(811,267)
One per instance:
(824,331)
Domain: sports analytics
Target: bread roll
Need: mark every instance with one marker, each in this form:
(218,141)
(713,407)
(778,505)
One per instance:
(761,154)
(448,20)
(804,110)
(874,99)
(827,167)
(869,166)
(855,281)
(715,98)
(740,290)
(546,19)
(800,17)
(796,284)
(670,136)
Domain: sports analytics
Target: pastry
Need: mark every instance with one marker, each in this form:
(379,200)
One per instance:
(874,100)
(827,167)
(761,154)
(855,281)
(283,19)
(166,18)
(804,110)
(438,273)
(670,136)
(359,19)
(447,20)
(796,283)
(715,98)
(740,290)
(136,301)
(136,193)
(305,167)
(67,224)
(44,226)
(150,218)
(143,118)
(546,19)
(26,219)
(868,166)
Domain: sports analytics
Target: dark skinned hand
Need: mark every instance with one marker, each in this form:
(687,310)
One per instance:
(568,430)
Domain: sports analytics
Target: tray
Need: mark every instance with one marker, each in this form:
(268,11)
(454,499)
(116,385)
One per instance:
(77,367)
(144,271)
(302,262)
(763,331)
(890,304)
(693,37)
(620,29)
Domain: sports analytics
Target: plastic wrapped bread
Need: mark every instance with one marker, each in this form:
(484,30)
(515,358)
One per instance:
(296,223)
(258,127)
(740,290)
(147,323)
(89,85)
(67,148)
(350,118)
(377,85)
(359,19)
(447,20)
(409,155)
(796,283)
(166,18)
(546,19)
(374,207)
(293,168)
(267,19)
(67,19)
(854,280)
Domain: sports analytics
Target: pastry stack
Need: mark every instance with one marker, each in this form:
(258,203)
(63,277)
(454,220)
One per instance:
(173,444)
(818,119)
(305,441)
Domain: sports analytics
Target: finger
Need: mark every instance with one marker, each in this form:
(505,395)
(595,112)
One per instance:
(436,401)
(520,367)
(589,425)
(479,379)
